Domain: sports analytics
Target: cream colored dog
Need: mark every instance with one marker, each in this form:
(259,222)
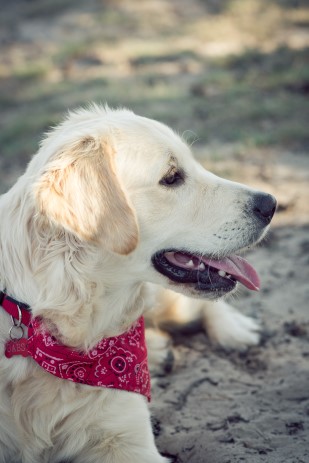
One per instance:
(110,202)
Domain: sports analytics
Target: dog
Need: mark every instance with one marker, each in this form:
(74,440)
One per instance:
(112,206)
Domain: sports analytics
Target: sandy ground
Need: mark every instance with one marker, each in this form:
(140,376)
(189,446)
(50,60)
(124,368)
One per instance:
(219,407)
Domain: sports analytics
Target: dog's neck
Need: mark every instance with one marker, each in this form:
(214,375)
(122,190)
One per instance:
(64,280)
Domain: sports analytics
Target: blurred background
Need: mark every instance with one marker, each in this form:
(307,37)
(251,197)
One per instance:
(231,76)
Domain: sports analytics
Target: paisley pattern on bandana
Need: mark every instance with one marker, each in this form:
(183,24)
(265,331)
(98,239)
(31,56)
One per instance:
(119,362)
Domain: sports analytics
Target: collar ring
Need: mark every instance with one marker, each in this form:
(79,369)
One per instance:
(16,331)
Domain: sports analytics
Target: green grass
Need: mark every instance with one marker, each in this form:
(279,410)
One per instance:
(280,68)
(31,72)
(48,8)
(253,98)
(241,100)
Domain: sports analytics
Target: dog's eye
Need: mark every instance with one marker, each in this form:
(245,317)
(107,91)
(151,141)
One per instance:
(172,179)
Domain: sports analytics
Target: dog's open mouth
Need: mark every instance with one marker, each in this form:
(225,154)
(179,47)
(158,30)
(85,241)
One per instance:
(206,274)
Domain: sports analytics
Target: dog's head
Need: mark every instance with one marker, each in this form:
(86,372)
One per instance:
(131,186)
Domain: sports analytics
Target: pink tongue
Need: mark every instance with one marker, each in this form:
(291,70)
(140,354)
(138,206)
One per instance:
(239,268)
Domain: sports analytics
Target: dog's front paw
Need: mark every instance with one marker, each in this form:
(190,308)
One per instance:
(160,352)
(228,328)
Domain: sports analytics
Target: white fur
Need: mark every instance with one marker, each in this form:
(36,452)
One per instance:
(77,233)
(224,325)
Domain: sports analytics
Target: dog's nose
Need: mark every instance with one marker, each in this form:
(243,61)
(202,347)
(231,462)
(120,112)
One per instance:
(264,207)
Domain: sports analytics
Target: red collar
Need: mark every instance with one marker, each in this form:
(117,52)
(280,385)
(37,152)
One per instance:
(119,362)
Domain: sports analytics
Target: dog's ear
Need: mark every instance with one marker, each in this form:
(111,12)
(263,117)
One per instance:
(80,191)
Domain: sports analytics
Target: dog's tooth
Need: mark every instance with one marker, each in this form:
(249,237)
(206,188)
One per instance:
(190,264)
(222,273)
(201,266)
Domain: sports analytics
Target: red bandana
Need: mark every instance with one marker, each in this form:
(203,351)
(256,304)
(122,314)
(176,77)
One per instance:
(119,362)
